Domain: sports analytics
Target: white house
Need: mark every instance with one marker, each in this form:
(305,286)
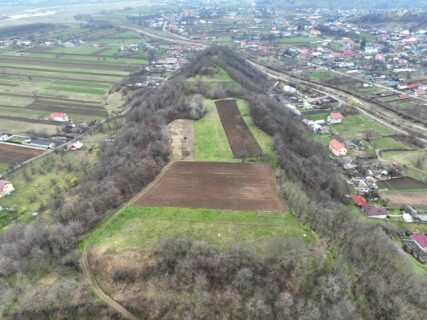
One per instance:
(335,117)
(6,188)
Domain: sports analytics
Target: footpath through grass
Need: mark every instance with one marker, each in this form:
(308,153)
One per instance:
(137,227)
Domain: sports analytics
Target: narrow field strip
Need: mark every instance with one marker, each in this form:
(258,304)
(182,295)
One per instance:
(241,139)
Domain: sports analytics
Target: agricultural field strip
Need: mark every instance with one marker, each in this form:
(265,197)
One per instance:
(57,77)
(239,136)
(216,185)
(76,64)
(12,154)
(121,75)
(66,108)
(28,120)
(55,99)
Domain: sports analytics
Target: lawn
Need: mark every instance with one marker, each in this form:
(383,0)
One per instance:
(211,143)
(318,116)
(143,227)
(355,126)
(295,41)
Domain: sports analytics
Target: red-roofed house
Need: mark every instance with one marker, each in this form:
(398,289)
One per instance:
(420,239)
(315,31)
(5,188)
(420,92)
(335,117)
(374,211)
(59,116)
(337,148)
(402,86)
(359,200)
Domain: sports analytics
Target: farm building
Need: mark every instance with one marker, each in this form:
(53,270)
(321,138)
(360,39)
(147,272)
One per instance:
(335,117)
(372,211)
(359,201)
(59,116)
(337,148)
(417,246)
(40,143)
(6,188)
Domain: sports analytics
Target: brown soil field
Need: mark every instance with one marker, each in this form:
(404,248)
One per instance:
(41,62)
(55,77)
(71,103)
(12,155)
(414,199)
(28,120)
(66,107)
(216,185)
(241,139)
(403,183)
(62,71)
(57,100)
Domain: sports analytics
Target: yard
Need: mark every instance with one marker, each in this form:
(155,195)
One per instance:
(358,126)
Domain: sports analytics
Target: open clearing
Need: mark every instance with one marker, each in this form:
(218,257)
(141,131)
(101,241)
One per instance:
(212,185)
(241,139)
(414,199)
(181,139)
(137,227)
(12,155)
(403,183)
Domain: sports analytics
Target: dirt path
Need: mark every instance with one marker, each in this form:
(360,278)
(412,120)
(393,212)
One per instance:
(86,247)
(181,139)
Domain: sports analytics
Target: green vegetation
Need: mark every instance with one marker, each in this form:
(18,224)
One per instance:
(387,143)
(77,89)
(137,227)
(211,143)
(356,126)
(297,41)
(415,162)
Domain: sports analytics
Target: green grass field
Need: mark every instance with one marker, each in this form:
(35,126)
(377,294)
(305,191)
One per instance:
(211,143)
(355,126)
(387,143)
(138,227)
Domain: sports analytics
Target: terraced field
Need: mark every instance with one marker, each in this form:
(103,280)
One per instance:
(74,80)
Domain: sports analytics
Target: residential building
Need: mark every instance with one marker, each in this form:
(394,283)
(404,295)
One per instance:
(337,148)
(335,117)
(6,188)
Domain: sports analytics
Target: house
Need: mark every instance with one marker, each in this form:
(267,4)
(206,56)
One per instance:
(420,239)
(59,116)
(337,148)
(372,211)
(74,146)
(417,246)
(335,117)
(402,86)
(5,188)
(359,201)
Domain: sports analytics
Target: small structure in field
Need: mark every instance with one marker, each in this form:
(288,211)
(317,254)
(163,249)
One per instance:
(335,117)
(359,201)
(74,146)
(6,188)
(59,116)
(372,211)
(337,148)
(417,246)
